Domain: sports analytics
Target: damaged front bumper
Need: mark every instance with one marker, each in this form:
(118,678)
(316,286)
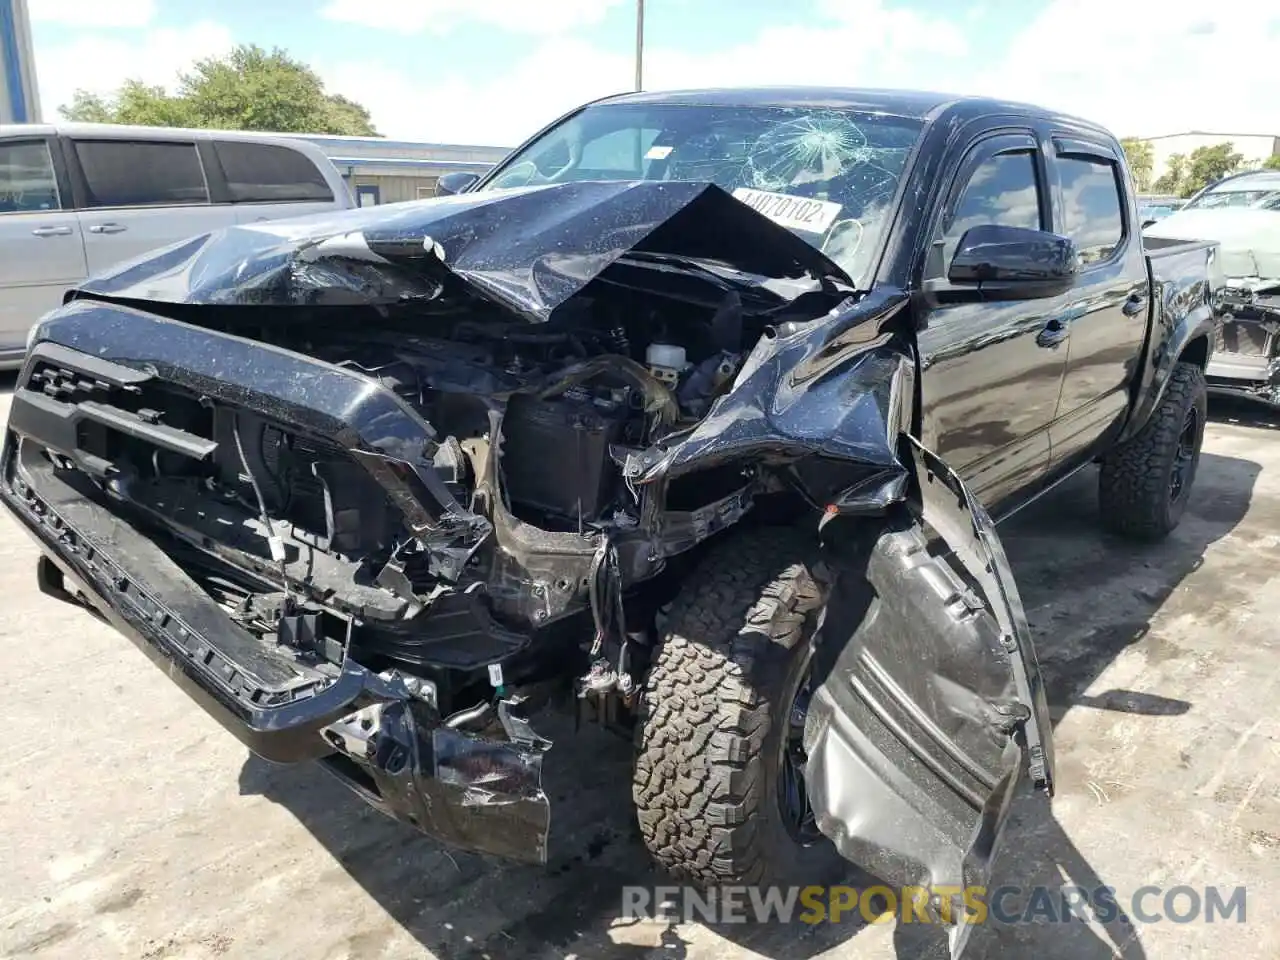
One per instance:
(381,733)
(470,792)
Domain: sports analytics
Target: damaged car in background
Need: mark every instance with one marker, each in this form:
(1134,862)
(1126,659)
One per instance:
(692,415)
(1242,213)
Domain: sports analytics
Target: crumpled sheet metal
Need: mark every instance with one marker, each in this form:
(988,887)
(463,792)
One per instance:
(840,387)
(526,250)
(468,791)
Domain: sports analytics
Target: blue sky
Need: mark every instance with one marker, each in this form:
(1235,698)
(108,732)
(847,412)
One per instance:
(691,25)
(490,71)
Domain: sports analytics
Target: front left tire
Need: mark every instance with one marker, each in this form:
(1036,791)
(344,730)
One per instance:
(715,782)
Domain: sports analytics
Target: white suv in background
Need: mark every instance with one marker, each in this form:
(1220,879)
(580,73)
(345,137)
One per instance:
(76,199)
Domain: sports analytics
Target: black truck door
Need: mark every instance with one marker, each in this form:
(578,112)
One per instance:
(1107,311)
(991,370)
(928,705)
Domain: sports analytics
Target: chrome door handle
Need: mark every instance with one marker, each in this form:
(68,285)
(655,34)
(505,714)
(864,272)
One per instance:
(108,228)
(51,232)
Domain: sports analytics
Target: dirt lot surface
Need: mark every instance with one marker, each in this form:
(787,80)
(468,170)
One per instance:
(131,825)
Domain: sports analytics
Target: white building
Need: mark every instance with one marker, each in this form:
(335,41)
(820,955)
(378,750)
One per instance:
(389,171)
(1254,148)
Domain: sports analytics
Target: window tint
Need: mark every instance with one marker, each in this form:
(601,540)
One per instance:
(26,177)
(263,172)
(1002,190)
(127,173)
(1091,206)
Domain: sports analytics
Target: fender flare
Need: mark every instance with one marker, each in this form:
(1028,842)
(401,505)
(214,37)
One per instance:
(1197,322)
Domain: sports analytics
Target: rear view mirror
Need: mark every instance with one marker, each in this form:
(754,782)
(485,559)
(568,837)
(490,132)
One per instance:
(1013,263)
(457,182)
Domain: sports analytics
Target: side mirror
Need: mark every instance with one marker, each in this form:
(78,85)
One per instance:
(1013,263)
(458,182)
(1147,223)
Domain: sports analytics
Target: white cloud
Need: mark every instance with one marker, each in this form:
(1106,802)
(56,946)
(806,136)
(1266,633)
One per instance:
(885,29)
(860,43)
(99,64)
(93,13)
(500,110)
(1157,66)
(545,17)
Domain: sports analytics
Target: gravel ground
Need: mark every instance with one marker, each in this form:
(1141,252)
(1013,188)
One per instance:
(133,826)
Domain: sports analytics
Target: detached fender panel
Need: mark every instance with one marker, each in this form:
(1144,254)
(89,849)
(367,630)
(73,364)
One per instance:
(929,703)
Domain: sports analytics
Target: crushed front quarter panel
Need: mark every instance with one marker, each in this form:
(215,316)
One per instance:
(838,387)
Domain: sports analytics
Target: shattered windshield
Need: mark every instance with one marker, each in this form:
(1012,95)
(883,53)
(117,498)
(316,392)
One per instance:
(827,175)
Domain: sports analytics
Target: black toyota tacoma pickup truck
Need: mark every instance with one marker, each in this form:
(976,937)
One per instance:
(691,416)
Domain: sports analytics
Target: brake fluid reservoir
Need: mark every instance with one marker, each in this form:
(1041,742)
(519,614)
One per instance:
(666,361)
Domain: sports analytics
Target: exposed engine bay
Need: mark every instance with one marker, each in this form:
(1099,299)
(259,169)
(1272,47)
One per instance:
(531,430)
(507,516)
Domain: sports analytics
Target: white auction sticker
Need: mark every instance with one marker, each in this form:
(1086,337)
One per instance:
(794,213)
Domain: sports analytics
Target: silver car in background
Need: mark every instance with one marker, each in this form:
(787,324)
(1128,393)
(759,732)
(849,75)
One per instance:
(77,199)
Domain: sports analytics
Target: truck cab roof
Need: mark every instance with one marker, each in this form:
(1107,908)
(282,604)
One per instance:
(918,104)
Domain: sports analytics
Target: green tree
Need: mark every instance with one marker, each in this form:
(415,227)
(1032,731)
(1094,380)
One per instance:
(1272,162)
(134,102)
(1141,160)
(1175,173)
(1208,165)
(248,89)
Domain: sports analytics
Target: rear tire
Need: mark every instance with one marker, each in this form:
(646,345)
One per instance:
(716,718)
(1145,482)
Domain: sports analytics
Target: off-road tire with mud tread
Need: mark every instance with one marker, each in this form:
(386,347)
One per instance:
(713,709)
(1133,485)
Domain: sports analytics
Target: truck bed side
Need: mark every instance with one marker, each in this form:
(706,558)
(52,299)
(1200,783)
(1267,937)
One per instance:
(1184,278)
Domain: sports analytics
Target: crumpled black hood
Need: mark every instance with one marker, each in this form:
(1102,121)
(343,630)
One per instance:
(527,250)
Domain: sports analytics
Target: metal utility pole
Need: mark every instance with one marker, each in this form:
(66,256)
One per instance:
(639,45)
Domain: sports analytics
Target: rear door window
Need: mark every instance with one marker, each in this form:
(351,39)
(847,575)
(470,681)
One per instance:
(139,173)
(268,173)
(27,179)
(1091,206)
